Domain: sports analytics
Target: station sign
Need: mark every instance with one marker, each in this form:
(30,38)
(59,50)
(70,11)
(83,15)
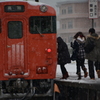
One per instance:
(93,9)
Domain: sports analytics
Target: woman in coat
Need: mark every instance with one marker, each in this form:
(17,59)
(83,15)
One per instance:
(63,56)
(79,53)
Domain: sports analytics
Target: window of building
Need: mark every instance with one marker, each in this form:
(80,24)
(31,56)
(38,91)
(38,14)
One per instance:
(70,10)
(63,26)
(63,11)
(70,24)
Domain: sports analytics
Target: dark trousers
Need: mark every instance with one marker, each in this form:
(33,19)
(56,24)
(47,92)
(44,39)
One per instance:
(80,64)
(91,65)
(63,69)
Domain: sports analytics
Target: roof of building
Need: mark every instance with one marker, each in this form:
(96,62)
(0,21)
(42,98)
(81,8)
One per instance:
(71,1)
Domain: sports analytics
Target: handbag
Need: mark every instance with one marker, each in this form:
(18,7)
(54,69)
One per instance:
(74,55)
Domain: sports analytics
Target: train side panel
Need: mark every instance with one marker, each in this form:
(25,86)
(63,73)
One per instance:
(2,62)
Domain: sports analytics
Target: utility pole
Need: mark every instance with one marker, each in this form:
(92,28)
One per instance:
(92,23)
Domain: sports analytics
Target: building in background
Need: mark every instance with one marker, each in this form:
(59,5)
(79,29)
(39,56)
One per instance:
(73,16)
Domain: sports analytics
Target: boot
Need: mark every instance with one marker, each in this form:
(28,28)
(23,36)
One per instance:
(65,76)
(98,73)
(85,72)
(79,76)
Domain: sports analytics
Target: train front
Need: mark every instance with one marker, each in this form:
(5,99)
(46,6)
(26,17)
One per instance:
(28,43)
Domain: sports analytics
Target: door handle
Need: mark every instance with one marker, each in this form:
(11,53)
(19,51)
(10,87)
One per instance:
(8,46)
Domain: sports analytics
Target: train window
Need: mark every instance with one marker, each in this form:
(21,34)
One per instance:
(42,24)
(15,29)
(14,8)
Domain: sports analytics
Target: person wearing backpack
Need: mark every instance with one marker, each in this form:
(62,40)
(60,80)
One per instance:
(92,49)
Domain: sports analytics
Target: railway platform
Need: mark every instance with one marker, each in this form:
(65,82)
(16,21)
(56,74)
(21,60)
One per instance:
(79,89)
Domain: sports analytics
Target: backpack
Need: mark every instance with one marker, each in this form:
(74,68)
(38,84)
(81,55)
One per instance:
(89,47)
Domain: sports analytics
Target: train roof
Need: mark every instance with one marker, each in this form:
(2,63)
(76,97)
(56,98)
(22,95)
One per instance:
(31,2)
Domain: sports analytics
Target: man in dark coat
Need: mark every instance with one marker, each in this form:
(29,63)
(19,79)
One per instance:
(94,55)
(63,56)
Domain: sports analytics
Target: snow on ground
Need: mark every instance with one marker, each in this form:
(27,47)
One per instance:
(71,68)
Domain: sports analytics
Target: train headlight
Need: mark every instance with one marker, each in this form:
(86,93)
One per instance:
(43,8)
(44,70)
(39,70)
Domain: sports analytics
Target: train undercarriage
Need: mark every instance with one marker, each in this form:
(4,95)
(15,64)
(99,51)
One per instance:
(20,89)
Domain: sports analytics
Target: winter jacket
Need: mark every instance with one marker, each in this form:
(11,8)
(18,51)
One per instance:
(78,50)
(63,53)
(94,55)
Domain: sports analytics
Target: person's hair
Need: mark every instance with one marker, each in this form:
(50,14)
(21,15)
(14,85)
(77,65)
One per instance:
(91,30)
(59,39)
(78,34)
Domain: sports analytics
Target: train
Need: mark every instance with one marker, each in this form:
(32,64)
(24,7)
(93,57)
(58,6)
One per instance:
(28,49)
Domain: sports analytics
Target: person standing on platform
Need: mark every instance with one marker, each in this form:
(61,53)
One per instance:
(79,53)
(63,57)
(92,49)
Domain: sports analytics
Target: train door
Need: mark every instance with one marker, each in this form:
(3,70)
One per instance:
(15,52)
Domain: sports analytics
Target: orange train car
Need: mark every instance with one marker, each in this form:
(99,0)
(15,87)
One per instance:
(28,52)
